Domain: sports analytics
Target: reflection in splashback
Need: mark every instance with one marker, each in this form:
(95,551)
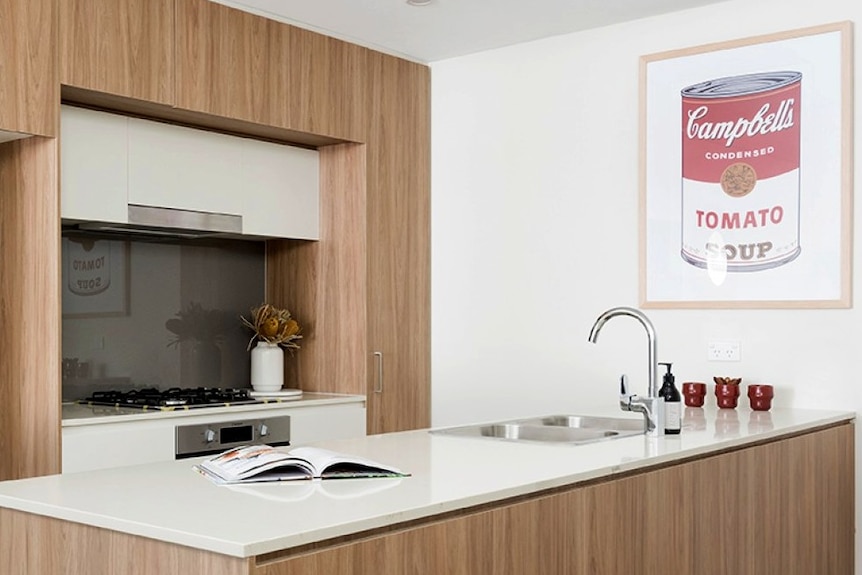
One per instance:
(157,313)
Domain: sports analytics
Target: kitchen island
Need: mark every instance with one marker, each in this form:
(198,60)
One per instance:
(737,492)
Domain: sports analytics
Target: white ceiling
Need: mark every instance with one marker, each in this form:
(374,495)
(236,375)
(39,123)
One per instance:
(449,28)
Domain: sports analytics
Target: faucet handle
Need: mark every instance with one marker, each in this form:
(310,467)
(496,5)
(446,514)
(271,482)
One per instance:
(625,396)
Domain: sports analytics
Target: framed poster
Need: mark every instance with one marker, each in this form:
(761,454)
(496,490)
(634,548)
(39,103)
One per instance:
(746,172)
(95,277)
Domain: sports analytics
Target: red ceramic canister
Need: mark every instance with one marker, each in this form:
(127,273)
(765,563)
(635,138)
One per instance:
(726,395)
(760,396)
(694,393)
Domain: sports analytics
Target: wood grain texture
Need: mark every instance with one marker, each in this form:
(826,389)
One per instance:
(325,281)
(786,507)
(121,47)
(151,110)
(29,309)
(29,91)
(398,232)
(234,64)
(35,545)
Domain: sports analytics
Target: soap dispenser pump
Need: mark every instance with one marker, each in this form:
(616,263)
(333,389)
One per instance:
(672,403)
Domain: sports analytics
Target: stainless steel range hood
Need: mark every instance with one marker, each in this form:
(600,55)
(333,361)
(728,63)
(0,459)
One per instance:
(169,222)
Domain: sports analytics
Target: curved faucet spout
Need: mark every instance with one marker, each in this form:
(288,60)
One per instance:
(651,338)
(651,405)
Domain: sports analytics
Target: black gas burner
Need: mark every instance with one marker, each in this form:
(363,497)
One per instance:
(173,398)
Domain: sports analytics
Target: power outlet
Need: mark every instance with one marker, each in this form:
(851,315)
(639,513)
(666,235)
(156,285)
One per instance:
(726,350)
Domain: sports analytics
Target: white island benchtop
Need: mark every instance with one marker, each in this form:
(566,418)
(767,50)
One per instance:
(171,502)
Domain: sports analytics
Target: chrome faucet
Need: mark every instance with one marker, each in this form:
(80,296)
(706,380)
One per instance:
(651,406)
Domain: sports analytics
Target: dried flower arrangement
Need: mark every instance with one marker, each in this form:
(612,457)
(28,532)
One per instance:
(273,325)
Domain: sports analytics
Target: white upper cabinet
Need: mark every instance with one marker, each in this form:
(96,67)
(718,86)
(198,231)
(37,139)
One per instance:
(113,164)
(281,186)
(94,166)
(182,168)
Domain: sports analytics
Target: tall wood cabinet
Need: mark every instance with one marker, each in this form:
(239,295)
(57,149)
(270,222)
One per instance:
(397,235)
(29,240)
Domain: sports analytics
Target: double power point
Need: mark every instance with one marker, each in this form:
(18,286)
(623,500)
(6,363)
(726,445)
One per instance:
(724,350)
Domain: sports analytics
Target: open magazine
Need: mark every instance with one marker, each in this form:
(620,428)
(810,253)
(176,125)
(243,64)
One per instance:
(255,463)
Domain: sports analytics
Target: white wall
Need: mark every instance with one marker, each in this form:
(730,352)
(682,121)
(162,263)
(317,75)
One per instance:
(535,231)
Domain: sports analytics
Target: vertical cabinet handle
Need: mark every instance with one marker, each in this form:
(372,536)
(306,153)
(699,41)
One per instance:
(378,387)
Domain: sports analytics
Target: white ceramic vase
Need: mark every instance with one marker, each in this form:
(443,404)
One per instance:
(267,367)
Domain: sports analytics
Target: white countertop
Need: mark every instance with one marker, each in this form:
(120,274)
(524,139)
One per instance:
(171,502)
(75,414)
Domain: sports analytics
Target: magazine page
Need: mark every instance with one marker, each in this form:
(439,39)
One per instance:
(263,462)
(331,464)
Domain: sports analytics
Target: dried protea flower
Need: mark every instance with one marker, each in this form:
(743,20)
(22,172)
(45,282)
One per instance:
(273,325)
(727,380)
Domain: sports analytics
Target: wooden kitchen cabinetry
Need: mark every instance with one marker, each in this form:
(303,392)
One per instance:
(118,47)
(238,65)
(364,289)
(398,245)
(29,90)
(30,308)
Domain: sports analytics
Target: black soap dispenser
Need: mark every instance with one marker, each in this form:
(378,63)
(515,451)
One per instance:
(672,403)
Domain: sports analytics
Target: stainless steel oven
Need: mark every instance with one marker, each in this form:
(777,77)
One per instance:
(209,438)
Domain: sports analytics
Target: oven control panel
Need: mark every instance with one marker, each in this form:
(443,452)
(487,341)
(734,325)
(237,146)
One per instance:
(210,438)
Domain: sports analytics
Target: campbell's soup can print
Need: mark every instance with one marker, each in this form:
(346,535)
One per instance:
(740,171)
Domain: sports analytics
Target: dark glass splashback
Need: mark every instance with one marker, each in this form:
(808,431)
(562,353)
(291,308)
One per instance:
(157,313)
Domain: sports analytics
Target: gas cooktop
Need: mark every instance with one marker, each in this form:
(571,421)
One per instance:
(170,399)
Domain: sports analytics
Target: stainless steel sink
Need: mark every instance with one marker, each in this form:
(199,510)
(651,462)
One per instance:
(589,422)
(575,429)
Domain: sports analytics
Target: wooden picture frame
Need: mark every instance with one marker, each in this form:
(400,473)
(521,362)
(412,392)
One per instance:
(95,278)
(746,172)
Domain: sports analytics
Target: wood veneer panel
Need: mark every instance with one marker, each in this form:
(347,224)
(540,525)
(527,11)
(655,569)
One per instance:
(532,537)
(783,508)
(324,282)
(239,65)
(29,90)
(38,545)
(326,91)
(29,309)
(786,507)
(121,47)
(399,242)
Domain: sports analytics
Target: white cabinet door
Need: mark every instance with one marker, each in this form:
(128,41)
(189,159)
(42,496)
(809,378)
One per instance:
(93,165)
(282,191)
(176,167)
